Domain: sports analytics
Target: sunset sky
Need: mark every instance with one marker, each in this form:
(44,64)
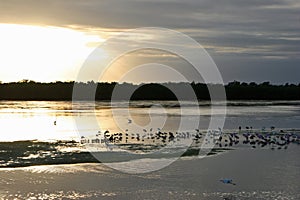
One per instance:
(49,40)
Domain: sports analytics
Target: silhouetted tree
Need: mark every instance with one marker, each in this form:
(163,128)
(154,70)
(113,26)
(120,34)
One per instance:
(30,90)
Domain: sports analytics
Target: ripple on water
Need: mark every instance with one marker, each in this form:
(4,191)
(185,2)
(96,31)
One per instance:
(60,195)
(255,195)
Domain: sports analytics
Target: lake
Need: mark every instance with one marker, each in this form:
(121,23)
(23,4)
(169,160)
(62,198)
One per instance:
(42,170)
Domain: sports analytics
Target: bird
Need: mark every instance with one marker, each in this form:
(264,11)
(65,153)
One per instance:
(54,122)
(106,133)
(129,121)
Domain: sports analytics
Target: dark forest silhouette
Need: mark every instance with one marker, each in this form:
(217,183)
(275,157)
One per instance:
(30,90)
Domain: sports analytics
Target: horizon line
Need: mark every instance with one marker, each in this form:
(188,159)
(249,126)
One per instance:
(141,83)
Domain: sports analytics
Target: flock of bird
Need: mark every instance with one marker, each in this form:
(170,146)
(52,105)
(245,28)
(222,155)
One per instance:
(255,138)
(261,139)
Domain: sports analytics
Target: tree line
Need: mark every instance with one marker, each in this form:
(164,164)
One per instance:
(63,91)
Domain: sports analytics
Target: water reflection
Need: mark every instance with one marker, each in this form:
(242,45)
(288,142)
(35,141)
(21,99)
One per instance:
(28,120)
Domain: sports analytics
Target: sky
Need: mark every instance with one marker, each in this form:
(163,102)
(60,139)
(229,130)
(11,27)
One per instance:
(50,40)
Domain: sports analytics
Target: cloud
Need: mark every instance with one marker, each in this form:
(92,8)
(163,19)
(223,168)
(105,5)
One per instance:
(236,30)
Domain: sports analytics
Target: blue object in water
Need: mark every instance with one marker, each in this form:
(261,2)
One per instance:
(227,181)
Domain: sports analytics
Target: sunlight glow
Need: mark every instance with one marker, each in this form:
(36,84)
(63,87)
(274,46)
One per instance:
(42,53)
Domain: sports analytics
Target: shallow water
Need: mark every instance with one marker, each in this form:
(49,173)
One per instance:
(260,173)
(33,152)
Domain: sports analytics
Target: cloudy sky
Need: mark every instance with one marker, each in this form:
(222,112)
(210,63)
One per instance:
(251,40)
